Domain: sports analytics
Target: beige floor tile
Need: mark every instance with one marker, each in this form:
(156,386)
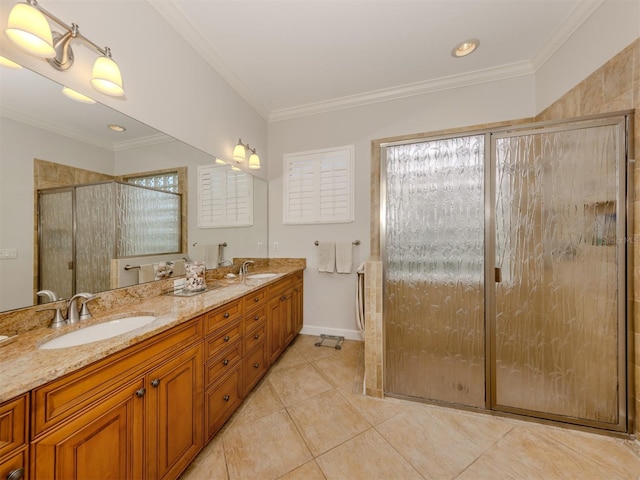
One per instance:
(261,402)
(375,410)
(290,359)
(209,464)
(264,449)
(308,471)
(366,457)
(327,420)
(439,443)
(297,384)
(530,453)
(338,369)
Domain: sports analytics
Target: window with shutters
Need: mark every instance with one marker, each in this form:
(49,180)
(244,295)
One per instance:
(225,197)
(318,186)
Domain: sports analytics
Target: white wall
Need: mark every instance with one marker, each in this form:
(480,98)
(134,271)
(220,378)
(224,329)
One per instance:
(20,144)
(329,304)
(167,84)
(613,26)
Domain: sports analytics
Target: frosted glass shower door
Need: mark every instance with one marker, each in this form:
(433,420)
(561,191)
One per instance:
(558,332)
(433,254)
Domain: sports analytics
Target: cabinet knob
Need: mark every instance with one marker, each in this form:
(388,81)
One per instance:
(226,315)
(256,365)
(256,318)
(225,362)
(226,398)
(283,298)
(257,299)
(227,338)
(141,392)
(17,474)
(155,382)
(256,336)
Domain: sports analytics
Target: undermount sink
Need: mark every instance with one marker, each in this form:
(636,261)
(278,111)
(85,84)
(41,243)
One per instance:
(261,276)
(100,331)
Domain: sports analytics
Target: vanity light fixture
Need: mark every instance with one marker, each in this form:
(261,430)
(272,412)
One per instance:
(28,28)
(78,97)
(5,62)
(240,155)
(465,48)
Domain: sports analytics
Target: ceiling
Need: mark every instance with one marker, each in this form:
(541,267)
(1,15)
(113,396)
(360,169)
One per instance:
(295,57)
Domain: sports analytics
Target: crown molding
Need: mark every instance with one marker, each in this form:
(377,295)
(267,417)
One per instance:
(177,19)
(147,141)
(575,19)
(409,90)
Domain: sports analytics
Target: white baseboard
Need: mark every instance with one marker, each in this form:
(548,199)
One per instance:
(338,332)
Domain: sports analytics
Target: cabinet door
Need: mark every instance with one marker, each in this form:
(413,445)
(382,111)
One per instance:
(275,330)
(288,325)
(106,441)
(174,402)
(297,307)
(222,400)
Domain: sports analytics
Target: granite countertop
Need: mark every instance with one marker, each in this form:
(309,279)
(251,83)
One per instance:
(24,366)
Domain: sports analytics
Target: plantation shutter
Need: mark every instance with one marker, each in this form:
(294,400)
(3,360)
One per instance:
(225,197)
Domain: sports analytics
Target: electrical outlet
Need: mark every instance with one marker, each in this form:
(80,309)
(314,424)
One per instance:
(276,247)
(259,246)
(8,253)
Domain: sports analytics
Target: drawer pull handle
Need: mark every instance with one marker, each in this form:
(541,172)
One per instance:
(227,338)
(141,392)
(155,382)
(226,315)
(256,318)
(17,474)
(226,398)
(283,298)
(256,336)
(256,365)
(257,299)
(225,362)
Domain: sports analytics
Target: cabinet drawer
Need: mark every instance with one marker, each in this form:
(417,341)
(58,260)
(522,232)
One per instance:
(222,364)
(61,398)
(254,319)
(281,285)
(221,340)
(255,336)
(254,367)
(221,316)
(254,300)
(13,424)
(13,464)
(222,400)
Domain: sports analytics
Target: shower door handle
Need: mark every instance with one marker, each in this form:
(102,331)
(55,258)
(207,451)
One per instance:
(498,275)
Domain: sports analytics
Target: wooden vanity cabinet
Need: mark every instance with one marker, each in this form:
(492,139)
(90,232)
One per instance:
(297,307)
(14,444)
(124,416)
(279,319)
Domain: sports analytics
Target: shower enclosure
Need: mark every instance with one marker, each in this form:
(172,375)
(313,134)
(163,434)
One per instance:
(82,228)
(505,270)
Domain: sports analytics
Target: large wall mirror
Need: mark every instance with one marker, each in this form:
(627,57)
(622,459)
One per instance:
(44,136)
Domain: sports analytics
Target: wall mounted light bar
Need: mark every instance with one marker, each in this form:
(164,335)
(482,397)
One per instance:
(240,155)
(28,27)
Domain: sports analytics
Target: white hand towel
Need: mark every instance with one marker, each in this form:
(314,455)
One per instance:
(326,257)
(147,273)
(344,257)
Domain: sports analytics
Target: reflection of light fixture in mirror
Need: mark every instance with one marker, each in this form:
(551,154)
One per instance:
(78,97)
(235,169)
(465,48)
(5,62)
(29,29)
(116,128)
(219,161)
(240,155)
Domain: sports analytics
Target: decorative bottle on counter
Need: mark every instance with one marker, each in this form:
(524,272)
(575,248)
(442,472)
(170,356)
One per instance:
(195,281)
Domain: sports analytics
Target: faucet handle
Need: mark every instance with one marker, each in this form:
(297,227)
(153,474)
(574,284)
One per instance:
(58,320)
(85,314)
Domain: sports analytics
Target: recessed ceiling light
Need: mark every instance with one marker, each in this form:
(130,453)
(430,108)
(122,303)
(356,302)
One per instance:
(78,97)
(117,128)
(5,62)
(465,48)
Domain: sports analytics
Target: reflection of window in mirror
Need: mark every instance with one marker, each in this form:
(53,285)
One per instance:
(171,180)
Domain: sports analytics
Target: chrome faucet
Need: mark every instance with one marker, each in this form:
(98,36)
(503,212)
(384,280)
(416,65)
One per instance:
(74,315)
(245,267)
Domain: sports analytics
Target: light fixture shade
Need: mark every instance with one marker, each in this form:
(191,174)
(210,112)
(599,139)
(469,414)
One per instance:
(254,161)
(106,77)
(29,29)
(77,96)
(239,153)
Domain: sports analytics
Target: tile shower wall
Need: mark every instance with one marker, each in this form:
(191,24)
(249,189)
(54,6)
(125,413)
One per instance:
(614,86)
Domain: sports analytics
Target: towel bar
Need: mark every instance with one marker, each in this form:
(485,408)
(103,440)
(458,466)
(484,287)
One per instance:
(355,242)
